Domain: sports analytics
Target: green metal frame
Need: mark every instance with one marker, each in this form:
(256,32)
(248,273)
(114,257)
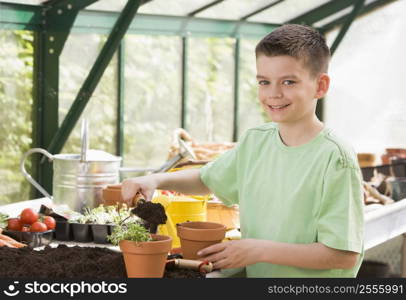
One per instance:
(207,6)
(28,17)
(120,98)
(351,17)
(184,83)
(321,12)
(259,10)
(365,10)
(57,18)
(237,50)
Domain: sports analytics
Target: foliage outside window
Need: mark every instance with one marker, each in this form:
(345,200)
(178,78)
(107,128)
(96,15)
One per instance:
(16,70)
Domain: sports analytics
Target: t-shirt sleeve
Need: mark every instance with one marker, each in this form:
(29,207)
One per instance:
(220,176)
(340,223)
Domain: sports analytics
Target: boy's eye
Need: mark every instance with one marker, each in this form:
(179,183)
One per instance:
(288,82)
(263,82)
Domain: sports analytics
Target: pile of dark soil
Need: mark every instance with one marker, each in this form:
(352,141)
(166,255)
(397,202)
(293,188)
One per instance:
(70,262)
(150,212)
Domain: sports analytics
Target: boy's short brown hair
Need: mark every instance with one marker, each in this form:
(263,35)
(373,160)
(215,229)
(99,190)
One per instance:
(299,41)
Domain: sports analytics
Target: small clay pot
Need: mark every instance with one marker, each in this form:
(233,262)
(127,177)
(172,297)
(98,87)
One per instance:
(146,259)
(195,236)
(112,195)
(82,232)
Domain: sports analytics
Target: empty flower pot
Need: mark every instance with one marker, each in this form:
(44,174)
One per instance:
(146,259)
(195,236)
(112,195)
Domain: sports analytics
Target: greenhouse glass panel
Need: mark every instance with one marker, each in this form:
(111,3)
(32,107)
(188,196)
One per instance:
(250,112)
(286,10)
(172,7)
(31,2)
(211,80)
(156,7)
(16,71)
(366,101)
(233,9)
(101,110)
(152,98)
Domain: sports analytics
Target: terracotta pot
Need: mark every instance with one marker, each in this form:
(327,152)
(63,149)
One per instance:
(393,153)
(112,195)
(195,236)
(146,259)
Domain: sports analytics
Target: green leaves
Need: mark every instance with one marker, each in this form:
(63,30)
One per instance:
(3,220)
(130,232)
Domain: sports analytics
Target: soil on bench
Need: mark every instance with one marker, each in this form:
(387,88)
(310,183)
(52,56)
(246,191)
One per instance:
(70,262)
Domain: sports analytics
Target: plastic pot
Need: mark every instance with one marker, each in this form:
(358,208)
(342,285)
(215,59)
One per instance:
(82,232)
(100,232)
(63,231)
(195,236)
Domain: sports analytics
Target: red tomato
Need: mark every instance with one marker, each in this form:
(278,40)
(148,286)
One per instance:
(14,224)
(28,216)
(25,229)
(49,222)
(38,227)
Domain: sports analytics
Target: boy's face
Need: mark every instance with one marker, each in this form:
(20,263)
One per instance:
(287,91)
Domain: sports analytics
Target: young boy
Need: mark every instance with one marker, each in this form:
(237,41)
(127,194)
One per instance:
(297,185)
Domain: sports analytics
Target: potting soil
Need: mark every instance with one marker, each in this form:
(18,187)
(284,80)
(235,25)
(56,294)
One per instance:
(151,212)
(65,262)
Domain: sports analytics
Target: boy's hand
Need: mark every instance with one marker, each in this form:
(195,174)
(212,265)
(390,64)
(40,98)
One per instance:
(144,185)
(232,254)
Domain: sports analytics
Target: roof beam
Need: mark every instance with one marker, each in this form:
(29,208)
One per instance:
(321,12)
(207,6)
(351,17)
(365,10)
(28,17)
(261,9)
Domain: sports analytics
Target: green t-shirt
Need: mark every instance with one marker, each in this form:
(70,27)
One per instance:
(300,195)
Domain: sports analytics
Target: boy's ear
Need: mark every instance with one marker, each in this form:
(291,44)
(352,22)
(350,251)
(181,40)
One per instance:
(323,84)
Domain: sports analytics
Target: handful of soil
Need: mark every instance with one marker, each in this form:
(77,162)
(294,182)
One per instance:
(152,213)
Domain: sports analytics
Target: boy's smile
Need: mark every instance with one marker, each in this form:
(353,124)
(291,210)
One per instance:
(287,91)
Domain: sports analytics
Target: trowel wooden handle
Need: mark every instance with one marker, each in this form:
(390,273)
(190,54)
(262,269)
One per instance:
(197,265)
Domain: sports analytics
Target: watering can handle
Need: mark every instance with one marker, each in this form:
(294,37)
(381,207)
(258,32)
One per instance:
(28,176)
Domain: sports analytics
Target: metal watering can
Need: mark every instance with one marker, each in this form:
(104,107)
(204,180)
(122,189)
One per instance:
(78,179)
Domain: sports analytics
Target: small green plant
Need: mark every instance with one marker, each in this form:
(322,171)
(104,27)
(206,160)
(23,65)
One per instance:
(3,220)
(130,232)
(105,215)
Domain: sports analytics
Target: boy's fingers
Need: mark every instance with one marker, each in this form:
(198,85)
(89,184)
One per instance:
(212,249)
(221,264)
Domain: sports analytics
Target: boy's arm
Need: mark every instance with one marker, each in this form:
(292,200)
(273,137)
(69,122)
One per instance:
(186,181)
(311,256)
(235,254)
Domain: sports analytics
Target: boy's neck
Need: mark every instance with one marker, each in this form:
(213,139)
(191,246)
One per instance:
(296,134)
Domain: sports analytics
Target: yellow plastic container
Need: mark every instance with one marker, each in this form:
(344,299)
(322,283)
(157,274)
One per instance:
(181,209)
